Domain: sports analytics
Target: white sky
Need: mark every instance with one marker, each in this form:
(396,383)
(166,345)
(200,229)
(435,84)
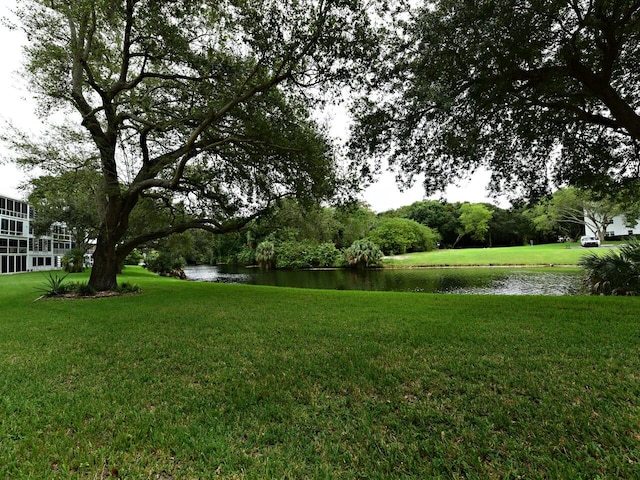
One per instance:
(17,107)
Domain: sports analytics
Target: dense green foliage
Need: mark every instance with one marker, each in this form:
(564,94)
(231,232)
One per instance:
(442,217)
(363,254)
(402,235)
(134,258)
(474,220)
(616,272)
(495,226)
(198,111)
(165,262)
(189,380)
(307,255)
(529,89)
(70,198)
(299,231)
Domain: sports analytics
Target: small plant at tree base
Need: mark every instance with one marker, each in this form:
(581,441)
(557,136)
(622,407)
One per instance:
(127,287)
(54,286)
(363,254)
(81,289)
(615,272)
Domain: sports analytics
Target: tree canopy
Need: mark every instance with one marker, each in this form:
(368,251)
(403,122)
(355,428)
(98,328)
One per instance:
(535,90)
(474,220)
(197,109)
(571,207)
(69,198)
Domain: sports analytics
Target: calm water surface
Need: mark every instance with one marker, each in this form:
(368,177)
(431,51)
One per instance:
(482,281)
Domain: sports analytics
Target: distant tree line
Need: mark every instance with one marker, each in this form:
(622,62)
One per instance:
(297,235)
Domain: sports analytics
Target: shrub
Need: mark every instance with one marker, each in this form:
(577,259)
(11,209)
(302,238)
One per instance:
(245,256)
(165,263)
(126,287)
(615,272)
(82,289)
(73,261)
(324,255)
(363,254)
(401,235)
(293,255)
(266,255)
(134,258)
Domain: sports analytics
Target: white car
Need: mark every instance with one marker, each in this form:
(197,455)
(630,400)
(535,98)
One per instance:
(589,241)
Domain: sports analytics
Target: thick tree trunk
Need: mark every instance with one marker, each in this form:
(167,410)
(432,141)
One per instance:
(105,266)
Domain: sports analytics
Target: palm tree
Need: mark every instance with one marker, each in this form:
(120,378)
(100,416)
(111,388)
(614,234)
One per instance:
(363,254)
(616,272)
(266,255)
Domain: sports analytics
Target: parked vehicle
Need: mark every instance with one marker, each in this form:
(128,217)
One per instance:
(586,241)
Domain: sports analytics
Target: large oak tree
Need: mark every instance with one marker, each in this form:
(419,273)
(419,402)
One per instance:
(535,90)
(196,110)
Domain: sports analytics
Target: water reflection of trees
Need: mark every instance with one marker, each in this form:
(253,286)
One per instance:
(431,280)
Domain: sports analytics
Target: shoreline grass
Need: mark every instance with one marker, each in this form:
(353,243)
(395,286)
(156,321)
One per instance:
(197,380)
(565,254)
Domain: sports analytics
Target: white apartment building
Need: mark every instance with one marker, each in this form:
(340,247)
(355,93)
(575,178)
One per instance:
(20,249)
(620,229)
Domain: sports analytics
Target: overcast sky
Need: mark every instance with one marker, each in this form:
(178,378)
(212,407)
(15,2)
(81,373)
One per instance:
(18,108)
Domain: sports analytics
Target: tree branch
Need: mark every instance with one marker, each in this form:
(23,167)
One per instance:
(209,225)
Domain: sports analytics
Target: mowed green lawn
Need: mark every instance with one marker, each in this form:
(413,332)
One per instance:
(555,253)
(196,380)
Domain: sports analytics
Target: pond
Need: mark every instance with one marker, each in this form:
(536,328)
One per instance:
(481,281)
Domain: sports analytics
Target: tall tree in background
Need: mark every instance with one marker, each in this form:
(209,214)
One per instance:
(531,89)
(571,207)
(69,198)
(198,107)
(474,221)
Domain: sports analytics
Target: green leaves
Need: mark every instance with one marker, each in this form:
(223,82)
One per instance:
(199,107)
(401,235)
(474,218)
(617,272)
(363,254)
(535,91)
